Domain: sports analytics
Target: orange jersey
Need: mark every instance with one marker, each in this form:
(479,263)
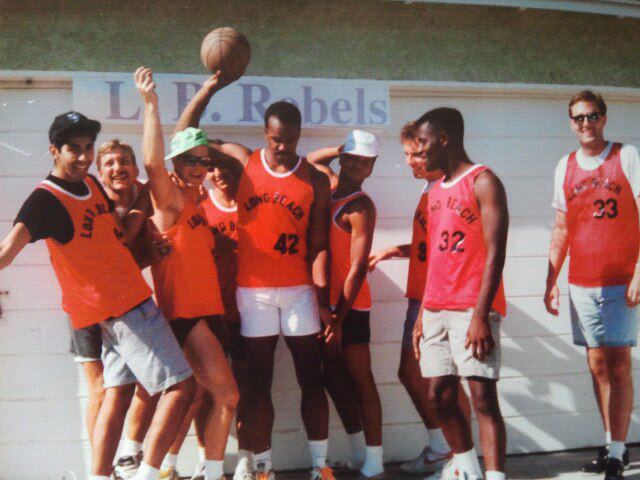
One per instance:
(97,274)
(418,256)
(602,219)
(224,224)
(273,217)
(186,279)
(340,247)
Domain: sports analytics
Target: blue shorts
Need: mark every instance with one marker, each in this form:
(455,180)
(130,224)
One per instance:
(600,317)
(410,320)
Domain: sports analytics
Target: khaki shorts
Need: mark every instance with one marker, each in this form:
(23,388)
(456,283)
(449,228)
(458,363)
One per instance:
(442,349)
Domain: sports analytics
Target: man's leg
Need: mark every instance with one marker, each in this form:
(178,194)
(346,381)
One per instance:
(93,373)
(493,436)
(108,427)
(358,361)
(599,378)
(340,388)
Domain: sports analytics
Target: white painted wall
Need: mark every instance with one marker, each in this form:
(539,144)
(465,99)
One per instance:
(519,131)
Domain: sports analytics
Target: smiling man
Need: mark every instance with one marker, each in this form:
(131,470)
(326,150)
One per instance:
(596,197)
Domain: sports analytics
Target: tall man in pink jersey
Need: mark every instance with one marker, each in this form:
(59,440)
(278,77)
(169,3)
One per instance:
(596,201)
(459,335)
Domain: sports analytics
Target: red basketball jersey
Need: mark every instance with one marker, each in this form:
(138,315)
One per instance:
(98,276)
(186,279)
(456,250)
(224,223)
(340,247)
(273,217)
(602,218)
(418,251)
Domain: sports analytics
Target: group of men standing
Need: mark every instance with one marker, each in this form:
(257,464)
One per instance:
(281,244)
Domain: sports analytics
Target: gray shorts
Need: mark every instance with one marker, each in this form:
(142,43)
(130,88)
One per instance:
(442,349)
(140,347)
(86,343)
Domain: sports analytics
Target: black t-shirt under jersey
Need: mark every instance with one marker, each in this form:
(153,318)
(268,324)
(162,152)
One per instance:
(44,215)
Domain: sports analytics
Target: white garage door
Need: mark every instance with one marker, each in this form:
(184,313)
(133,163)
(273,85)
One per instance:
(519,131)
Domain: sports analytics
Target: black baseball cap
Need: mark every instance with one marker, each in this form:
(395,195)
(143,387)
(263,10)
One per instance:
(72,123)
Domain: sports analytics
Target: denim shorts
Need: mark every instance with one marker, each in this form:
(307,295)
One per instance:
(139,346)
(410,320)
(600,317)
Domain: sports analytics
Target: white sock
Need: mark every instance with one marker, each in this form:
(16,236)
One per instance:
(170,460)
(616,449)
(98,477)
(494,475)
(201,455)
(130,448)
(607,438)
(468,462)
(147,472)
(213,469)
(244,462)
(319,450)
(437,442)
(356,441)
(373,462)
(264,458)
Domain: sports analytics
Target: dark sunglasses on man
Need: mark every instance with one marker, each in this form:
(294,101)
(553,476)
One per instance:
(591,117)
(193,160)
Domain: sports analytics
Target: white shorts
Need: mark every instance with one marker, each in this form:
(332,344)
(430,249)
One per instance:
(292,311)
(442,349)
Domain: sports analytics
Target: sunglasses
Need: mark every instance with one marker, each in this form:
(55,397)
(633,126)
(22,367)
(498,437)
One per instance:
(591,117)
(193,160)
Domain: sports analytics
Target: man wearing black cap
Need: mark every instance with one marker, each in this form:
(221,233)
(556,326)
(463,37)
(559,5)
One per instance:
(102,285)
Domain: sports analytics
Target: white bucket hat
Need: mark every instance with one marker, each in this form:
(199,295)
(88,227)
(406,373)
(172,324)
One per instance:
(361,143)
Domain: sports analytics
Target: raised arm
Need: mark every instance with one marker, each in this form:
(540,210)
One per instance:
(492,199)
(361,216)
(162,188)
(322,158)
(13,244)
(190,117)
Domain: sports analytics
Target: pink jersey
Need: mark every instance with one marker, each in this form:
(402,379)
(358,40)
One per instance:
(418,251)
(602,218)
(456,252)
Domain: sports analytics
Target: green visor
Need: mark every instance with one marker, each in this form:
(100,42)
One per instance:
(185,140)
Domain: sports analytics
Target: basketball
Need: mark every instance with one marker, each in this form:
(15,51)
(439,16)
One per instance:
(228,50)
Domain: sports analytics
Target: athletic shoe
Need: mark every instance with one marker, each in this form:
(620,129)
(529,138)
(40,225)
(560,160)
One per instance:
(599,465)
(243,475)
(126,467)
(322,474)
(170,473)
(198,472)
(448,472)
(614,470)
(425,462)
(262,473)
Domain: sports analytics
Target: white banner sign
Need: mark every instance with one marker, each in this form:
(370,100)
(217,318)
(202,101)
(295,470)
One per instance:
(112,98)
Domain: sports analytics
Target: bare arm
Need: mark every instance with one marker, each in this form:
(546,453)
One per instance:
(492,199)
(322,158)
(13,244)
(633,292)
(557,253)
(190,117)
(318,238)
(362,219)
(165,198)
(400,251)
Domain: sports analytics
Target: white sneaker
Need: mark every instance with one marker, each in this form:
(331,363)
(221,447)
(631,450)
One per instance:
(448,472)
(127,467)
(425,462)
(244,474)
(468,476)
(170,473)
(262,473)
(198,472)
